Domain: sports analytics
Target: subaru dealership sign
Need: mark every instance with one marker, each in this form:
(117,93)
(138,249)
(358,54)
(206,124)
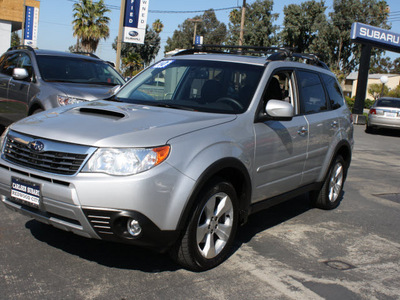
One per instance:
(31,26)
(375,36)
(135,21)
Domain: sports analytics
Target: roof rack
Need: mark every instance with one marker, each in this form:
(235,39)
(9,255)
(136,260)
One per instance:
(86,54)
(21,47)
(226,49)
(272,53)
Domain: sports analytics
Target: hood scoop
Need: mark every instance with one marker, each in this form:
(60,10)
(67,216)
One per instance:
(101,112)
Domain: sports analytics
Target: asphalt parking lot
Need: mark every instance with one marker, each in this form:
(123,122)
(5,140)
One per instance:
(290,251)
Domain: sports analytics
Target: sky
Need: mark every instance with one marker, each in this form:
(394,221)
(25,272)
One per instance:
(55,20)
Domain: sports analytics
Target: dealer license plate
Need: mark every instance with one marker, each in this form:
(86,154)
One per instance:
(25,192)
(390,115)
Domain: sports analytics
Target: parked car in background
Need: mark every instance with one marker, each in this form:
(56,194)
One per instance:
(36,80)
(184,152)
(384,113)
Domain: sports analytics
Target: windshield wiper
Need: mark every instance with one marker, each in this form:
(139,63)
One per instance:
(60,80)
(113,98)
(174,106)
(100,83)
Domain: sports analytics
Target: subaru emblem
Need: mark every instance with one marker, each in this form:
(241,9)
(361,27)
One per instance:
(133,33)
(36,146)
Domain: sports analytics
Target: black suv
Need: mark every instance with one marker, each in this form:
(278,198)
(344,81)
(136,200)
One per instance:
(36,80)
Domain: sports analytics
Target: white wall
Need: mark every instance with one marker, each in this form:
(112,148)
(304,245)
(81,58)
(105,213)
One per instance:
(5,36)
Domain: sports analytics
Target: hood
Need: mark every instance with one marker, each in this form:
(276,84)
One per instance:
(113,124)
(84,90)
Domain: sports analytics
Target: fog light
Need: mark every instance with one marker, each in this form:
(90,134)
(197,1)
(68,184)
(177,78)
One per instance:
(134,227)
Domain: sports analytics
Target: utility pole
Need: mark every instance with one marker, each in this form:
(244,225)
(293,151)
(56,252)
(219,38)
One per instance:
(195,21)
(119,39)
(23,23)
(242,23)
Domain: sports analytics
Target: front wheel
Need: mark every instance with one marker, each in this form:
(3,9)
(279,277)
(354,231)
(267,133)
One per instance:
(210,233)
(330,194)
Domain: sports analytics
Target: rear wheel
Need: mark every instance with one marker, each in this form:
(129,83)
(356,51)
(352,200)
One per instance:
(331,192)
(211,230)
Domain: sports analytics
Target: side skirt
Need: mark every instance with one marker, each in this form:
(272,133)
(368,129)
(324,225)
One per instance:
(264,204)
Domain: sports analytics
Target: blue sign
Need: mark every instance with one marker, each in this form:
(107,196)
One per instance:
(374,36)
(135,20)
(198,40)
(132,8)
(29,18)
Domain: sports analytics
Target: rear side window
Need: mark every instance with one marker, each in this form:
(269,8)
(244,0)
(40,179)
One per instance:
(334,91)
(312,93)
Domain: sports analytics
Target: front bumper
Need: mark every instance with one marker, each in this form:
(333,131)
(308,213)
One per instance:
(99,206)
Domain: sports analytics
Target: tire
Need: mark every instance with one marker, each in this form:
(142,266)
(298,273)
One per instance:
(330,195)
(369,129)
(208,238)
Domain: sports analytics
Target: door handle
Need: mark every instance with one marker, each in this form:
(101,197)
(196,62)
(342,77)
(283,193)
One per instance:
(302,131)
(334,124)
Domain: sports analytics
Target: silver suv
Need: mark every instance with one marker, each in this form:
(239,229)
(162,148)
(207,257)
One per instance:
(184,153)
(35,80)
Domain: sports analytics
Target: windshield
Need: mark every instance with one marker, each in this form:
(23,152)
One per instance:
(77,70)
(209,86)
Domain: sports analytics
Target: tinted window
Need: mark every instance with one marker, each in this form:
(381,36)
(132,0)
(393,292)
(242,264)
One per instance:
(334,91)
(388,103)
(26,63)
(9,64)
(312,94)
(77,70)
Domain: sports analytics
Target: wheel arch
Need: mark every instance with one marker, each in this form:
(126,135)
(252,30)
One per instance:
(343,148)
(231,170)
(35,105)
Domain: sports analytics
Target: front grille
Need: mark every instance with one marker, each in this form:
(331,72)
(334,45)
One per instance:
(57,162)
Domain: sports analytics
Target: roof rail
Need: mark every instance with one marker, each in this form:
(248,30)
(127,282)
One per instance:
(86,54)
(272,53)
(311,59)
(21,47)
(227,49)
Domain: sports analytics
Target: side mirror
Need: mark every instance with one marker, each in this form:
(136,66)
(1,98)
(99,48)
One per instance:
(277,110)
(20,74)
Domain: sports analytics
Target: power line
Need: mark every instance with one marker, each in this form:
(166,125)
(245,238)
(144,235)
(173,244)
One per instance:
(115,7)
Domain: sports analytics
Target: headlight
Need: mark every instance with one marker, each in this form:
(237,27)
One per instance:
(65,100)
(125,161)
(3,138)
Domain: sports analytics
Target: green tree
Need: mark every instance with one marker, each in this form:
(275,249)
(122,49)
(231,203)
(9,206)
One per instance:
(213,32)
(381,65)
(135,56)
(333,43)
(15,40)
(158,26)
(258,28)
(396,66)
(90,23)
(302,23)
(375,90)
(394,92)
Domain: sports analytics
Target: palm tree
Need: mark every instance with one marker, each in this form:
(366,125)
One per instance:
(90,23)
(158,26)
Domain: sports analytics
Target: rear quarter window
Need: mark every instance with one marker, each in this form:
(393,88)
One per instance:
(312,94)
(334,91)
